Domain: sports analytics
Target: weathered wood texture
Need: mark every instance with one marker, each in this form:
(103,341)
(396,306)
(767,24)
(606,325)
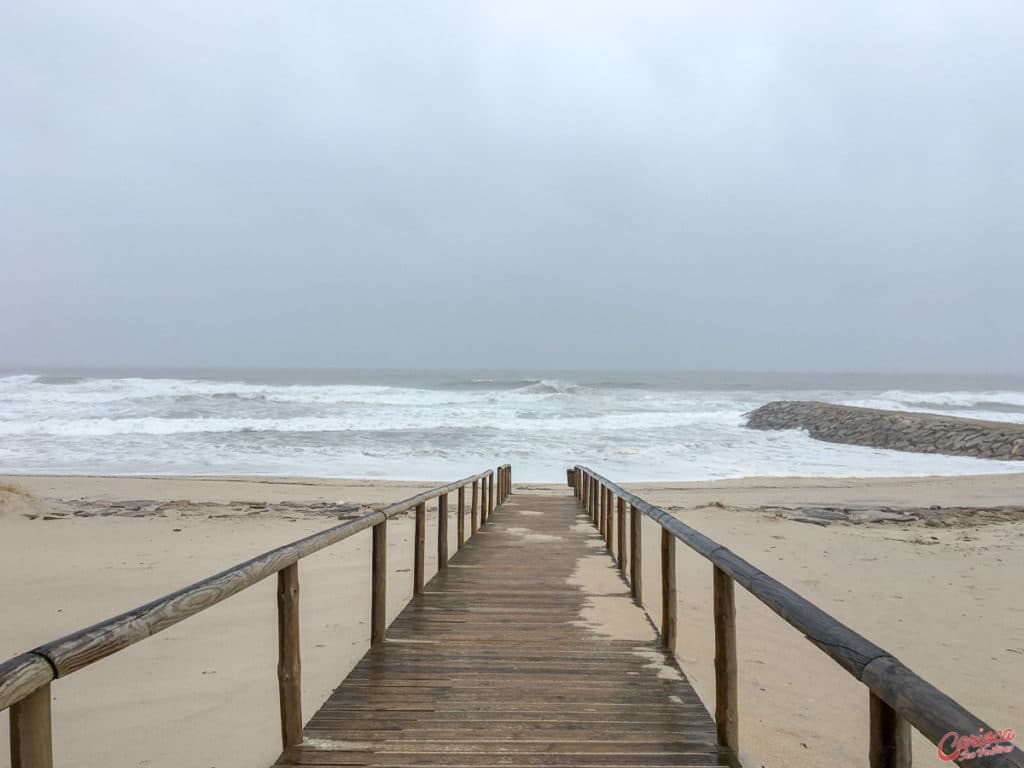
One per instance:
(668,590)
(461,525)
(620,527)
(483,499)
(914,699)
(419,548)
(31,738)
(635,553)
(442,531)
(474,512)
(289,664)
(727,718)
(21,676)
(889,740)
(494,665)
(379,583)
(504,482)
(86,646)
(609,519)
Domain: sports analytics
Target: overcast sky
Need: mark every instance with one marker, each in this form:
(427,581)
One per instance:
(778,185)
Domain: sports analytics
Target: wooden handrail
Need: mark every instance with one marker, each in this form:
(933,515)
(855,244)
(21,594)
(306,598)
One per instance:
(25,679)
(897,692)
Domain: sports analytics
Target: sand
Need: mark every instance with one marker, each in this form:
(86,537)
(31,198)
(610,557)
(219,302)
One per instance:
(943,596)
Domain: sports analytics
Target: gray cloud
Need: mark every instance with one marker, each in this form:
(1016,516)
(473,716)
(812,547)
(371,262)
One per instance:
(784,185)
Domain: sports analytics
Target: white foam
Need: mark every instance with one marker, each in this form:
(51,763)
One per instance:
(140,425)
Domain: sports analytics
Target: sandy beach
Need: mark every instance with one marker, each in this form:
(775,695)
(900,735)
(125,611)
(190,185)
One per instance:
(928,568)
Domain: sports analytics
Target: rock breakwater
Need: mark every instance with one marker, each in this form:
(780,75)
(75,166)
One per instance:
(896,430)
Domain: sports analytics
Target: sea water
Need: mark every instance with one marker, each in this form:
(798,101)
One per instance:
(436,425)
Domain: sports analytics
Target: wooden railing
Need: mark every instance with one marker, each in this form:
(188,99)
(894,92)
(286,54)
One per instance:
(898,698)
(25,679)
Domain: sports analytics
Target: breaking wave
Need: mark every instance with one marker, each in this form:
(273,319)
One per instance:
(431,425)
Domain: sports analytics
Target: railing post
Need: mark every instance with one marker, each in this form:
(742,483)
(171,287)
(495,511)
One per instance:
(609,520)
(31,736)
(890,737)
(442,532)
(417,565)
(490,496)
(635,554)
(461,525)
(474,507)
(379,586)
(289,664)
(620,520)
(668,590)
(483,499)
(602,499)
(726,703)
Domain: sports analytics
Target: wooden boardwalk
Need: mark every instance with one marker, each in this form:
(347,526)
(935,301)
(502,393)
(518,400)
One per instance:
(505,661)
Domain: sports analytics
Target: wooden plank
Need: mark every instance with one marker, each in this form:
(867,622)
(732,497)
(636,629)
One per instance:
(289,664)
(419,548)
(442,531)
(461,527)
(668,591)
(475,511)
(484,512)
(31,737)
(609,520)
(726,696)
(486,671)
(379,583)
(620,527)
(635,554)
(889,742)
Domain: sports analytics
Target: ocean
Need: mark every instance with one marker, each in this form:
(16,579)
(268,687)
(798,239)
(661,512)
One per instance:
(437,425)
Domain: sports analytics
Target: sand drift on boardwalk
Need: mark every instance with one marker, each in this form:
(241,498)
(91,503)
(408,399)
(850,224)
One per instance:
(429,424)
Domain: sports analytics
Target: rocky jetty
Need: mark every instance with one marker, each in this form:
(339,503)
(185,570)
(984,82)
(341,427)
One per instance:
(896,430)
